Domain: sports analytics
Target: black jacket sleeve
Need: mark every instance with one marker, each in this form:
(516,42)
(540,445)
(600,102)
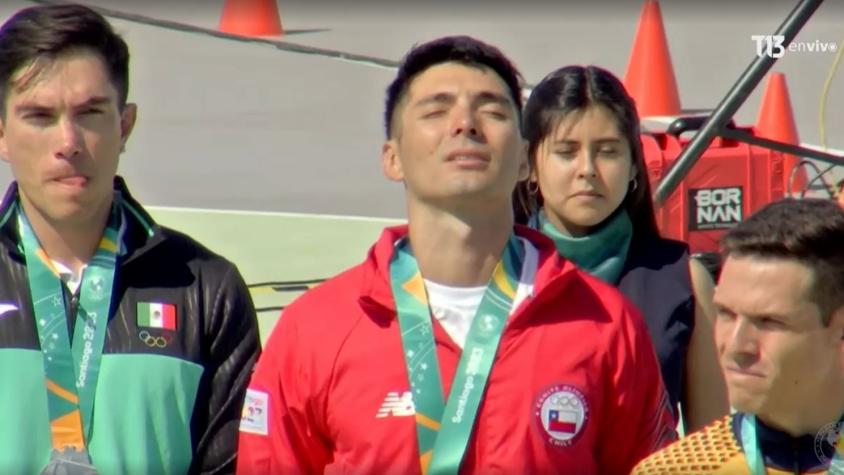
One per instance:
(231,346)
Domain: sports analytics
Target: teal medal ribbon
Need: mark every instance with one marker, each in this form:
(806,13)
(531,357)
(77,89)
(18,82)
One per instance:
(443,428)
(753,454)
(71,371)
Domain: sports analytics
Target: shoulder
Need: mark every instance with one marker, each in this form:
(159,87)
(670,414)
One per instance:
(704,451)
(172,259)
(657,265)
(321,318)
(611,298)
(177,241)
(338,292)
(576,294)
(176,248)
(657,250)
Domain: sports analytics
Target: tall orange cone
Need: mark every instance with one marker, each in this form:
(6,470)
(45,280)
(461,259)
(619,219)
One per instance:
(776,122)
(649,78)
(251,18)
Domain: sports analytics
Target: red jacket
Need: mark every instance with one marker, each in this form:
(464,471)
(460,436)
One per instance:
(575,387)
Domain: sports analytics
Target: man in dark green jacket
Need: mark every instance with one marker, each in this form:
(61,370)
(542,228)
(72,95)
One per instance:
(125,347)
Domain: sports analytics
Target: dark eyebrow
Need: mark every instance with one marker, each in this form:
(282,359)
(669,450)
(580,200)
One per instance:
(29,107)
(487,97)
(752,316)
(438,98)
(605,141)
(93,101)
(21,109)
(774,316)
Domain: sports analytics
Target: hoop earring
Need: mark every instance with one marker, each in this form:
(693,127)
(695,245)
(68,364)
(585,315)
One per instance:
(635,182)
(533,188)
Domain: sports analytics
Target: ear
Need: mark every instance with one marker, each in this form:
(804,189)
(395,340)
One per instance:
(127,123)
(390,162)
(4,147)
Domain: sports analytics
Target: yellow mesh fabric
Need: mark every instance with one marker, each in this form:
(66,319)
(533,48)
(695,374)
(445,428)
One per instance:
(705,451)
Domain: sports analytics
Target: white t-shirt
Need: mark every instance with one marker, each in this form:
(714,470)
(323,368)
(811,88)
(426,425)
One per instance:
(73,280)
(68,277)
(455,307)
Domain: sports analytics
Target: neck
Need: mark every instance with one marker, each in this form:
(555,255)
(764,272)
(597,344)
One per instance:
(459,251)
(72,243)
(821,409)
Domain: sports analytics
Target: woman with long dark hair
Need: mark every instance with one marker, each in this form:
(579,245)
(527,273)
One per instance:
(588,190)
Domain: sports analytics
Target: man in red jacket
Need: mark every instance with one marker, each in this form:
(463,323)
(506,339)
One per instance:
(461,343)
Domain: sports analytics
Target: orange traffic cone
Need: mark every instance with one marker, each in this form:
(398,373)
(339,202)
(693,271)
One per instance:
(649,78)
(251,18)
(776,122)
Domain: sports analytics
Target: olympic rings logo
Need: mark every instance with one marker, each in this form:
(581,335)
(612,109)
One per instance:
(565,400)
(154,341)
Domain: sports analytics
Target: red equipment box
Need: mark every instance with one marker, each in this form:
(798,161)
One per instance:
(728,183)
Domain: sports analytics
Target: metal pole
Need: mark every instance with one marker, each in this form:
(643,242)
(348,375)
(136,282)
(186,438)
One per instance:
(803,152)
(722,114)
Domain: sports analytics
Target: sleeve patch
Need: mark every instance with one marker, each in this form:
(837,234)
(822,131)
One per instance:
(254,418)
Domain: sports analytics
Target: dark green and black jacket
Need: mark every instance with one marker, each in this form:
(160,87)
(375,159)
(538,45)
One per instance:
(167,401)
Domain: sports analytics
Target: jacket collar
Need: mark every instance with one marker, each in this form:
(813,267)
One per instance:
(786,452)
(376,292)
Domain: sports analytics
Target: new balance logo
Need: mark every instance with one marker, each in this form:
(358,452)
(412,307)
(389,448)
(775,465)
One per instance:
(397,404)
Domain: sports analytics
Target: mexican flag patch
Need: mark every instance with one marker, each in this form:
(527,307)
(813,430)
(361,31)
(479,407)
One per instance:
(157,315)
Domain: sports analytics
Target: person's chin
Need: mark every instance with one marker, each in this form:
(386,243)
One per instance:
(589,218)
(470,188)
(76,208)
(68,213)
(743,400)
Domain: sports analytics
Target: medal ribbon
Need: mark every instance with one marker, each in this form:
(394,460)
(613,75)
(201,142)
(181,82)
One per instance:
(443,428)
(71,371)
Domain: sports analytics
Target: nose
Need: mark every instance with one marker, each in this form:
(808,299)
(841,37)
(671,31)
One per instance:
(70,139)
(742,344)
(586,164)
(464,122)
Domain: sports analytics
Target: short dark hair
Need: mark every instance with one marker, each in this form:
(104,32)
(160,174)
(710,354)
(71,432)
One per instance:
(51,30)
(461,49)
(576,88)
(810,231)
